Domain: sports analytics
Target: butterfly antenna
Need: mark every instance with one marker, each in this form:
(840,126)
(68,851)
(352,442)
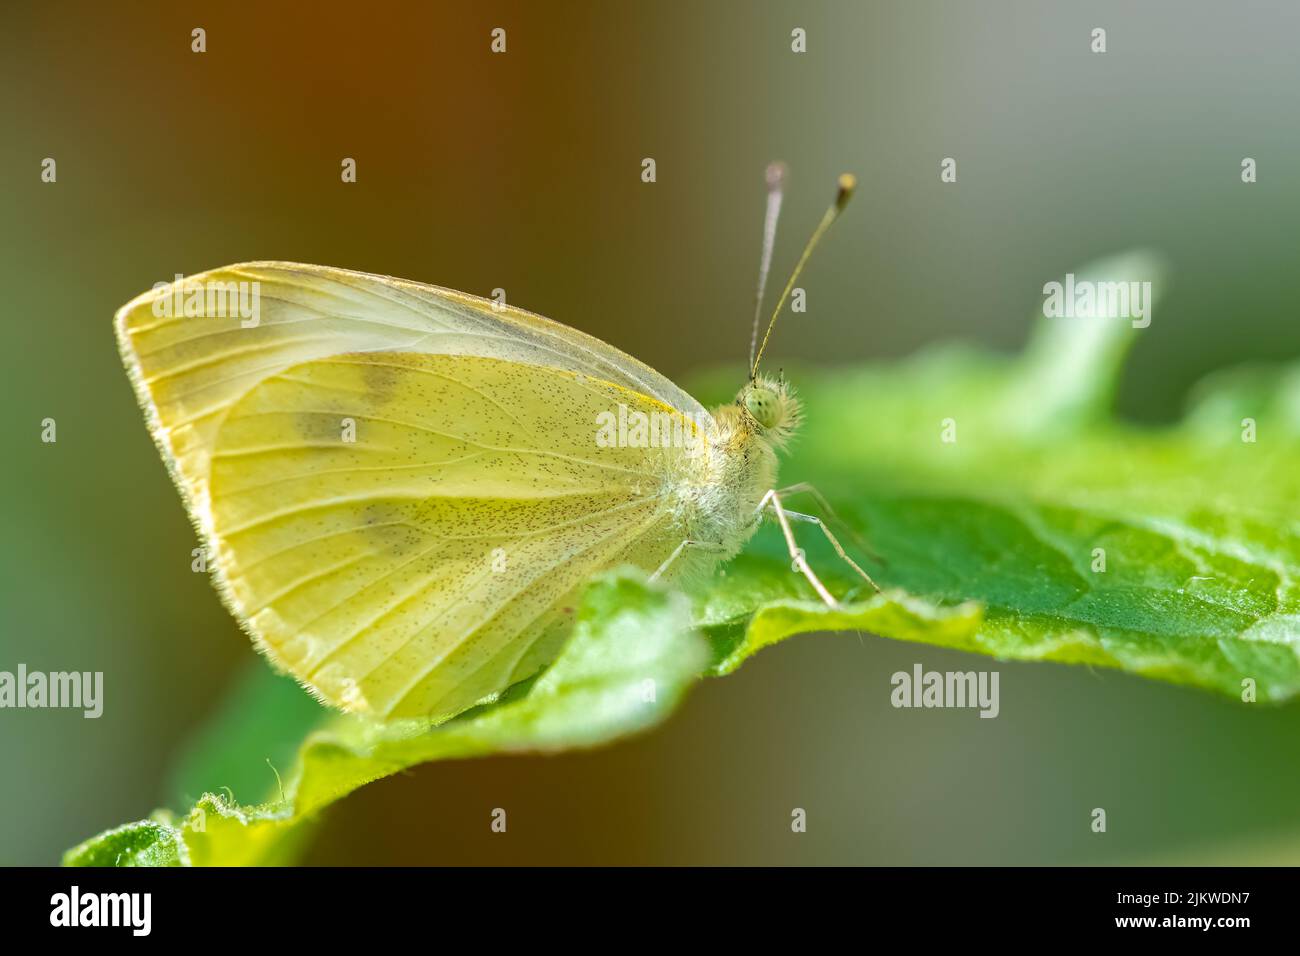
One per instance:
(775,192)
(847,183)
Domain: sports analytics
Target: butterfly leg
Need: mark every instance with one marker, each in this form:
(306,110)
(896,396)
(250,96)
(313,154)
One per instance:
(839,549)
(807,488)
(800,562)
(688,543)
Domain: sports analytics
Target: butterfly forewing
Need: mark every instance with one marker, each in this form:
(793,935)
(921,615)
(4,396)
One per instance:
(189,368)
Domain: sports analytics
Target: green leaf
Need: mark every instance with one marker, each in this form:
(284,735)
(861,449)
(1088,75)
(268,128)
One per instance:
(632,656)
(1168,552)
(763,602)
(1047,530)
(147,843)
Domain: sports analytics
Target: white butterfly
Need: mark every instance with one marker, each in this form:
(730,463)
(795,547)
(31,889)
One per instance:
(403,487)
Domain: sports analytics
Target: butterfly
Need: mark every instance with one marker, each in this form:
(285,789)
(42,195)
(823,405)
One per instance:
(403,488)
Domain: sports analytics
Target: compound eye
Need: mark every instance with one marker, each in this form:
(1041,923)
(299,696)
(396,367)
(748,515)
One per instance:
(761,403)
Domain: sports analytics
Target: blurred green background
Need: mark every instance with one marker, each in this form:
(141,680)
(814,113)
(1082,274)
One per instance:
(522,171)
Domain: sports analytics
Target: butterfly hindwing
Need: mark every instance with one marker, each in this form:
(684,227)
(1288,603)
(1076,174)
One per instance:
(401,530)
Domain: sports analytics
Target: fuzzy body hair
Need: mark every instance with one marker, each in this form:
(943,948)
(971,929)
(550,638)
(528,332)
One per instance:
(715,496)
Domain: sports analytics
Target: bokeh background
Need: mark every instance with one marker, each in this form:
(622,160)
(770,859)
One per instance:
(522,171)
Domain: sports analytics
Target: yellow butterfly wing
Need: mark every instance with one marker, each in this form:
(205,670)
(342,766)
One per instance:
(403,530)
(188,369)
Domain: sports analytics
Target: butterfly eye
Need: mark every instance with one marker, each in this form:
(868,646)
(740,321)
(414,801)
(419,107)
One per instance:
(761,403)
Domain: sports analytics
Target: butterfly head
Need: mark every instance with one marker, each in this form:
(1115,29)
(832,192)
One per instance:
(771,408)
(767,407)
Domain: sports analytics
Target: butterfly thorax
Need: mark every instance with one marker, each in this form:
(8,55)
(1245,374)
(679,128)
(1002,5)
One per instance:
(718,493)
